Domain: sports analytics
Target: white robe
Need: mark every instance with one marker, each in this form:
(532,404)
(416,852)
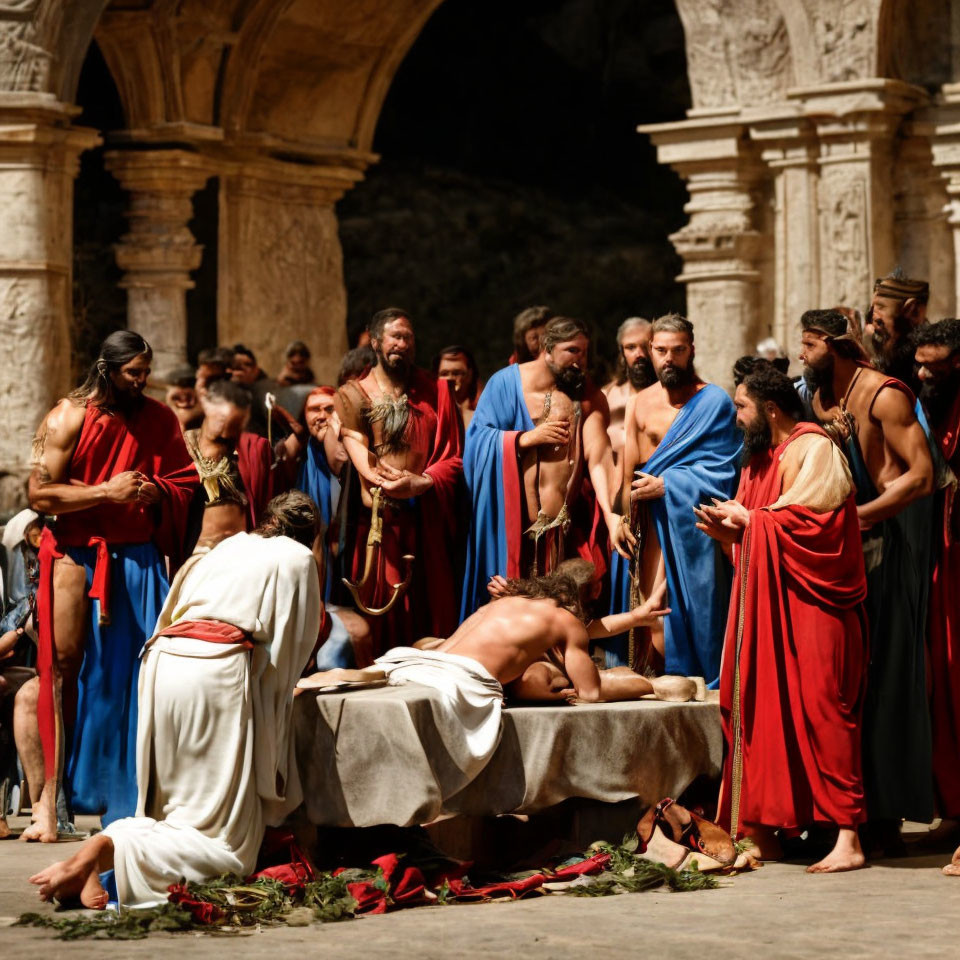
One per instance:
(472,701)
(215,752)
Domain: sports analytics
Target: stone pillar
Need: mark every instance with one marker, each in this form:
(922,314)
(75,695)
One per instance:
(856,123)
(721,246)
(790,150)
(39,154)
(945,148)
(924,238)
(159,252)
(280,270)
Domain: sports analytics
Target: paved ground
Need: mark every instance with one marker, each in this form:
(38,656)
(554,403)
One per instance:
(897,908)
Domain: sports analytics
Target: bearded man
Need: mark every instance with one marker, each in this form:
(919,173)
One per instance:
(536,427)
(899,305)
(872,416)
(182,399)
(234,466)
(112,467)
(634,373)
(457,364)
(402,432)
(795,654)
(681,449)
(215,756)
(937,354)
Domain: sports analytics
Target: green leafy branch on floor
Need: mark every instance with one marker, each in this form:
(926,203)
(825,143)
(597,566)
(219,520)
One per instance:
(228,904)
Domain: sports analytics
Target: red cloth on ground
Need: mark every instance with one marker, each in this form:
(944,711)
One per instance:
(254,460)
(944,631)
(148,440)
(429,606)
(802,659)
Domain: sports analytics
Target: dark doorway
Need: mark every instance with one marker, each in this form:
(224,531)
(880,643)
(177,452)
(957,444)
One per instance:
(512,173)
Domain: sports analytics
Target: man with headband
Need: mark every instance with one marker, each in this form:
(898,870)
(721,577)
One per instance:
(872,416)
(899,305)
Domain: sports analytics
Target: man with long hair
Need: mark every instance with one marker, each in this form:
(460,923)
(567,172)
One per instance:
(457,364)
(215,757)
(528,327)
(110,464)
(871,415)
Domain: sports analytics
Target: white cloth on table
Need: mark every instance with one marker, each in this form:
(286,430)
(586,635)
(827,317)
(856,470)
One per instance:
(215,755)
(472,698)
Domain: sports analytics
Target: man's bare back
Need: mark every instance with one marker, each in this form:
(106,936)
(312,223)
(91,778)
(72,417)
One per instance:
(509,634)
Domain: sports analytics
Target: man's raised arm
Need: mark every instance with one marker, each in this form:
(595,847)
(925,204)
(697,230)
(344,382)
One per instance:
(53,447)
(578,666)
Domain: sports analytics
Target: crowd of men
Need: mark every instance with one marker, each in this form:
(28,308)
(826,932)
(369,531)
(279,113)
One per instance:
(795,546)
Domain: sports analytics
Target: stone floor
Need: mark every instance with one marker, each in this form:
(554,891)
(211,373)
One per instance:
(896,908)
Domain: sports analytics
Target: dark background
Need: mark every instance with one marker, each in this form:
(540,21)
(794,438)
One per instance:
(511,175)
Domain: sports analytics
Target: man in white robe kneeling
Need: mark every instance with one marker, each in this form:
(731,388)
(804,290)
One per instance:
(215,753)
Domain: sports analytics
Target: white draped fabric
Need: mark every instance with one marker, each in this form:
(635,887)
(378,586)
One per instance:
(471,698)
(215,755)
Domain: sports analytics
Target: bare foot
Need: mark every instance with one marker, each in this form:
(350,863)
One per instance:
(4,828)
(952,869)
(847,854)
(77,877)
(44,825)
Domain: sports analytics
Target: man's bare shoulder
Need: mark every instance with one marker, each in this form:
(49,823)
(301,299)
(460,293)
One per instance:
(649,399)
(65,421)
(595,399)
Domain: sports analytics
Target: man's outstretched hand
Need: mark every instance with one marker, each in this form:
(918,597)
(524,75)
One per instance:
(724,521)
(646,487)
(497,587)
(652,608)
(622,538)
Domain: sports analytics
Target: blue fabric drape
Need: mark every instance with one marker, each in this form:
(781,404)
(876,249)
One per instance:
(501,408)
(317,481)
(102,762)
(697,459)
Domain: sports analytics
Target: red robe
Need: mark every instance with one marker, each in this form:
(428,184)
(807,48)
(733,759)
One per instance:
(944,631)
(254,460)
(150,441)
(427,530)
(799,592)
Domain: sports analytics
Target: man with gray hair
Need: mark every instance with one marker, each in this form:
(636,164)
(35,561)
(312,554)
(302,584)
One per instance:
(681,449)
(634,373)
(536,427)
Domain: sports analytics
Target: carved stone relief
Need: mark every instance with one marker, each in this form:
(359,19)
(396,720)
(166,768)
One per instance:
(844,241)
(24,60)
(845,37)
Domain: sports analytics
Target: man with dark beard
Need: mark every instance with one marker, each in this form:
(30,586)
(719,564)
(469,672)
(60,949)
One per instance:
(937,355)
(110,464)
(535,429)
(795,652)
(899,305)
(681,450)
(634,373)
(402,432)
(872,416)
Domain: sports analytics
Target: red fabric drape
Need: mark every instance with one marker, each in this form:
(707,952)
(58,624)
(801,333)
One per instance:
(148,440)
(944,632)
(254,460)
(802,660)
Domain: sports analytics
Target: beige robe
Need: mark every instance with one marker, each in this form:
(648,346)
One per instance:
(215,754)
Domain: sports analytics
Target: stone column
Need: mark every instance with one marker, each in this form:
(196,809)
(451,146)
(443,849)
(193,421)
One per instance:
(159,253)
(721,246)
(280,270)
(790,150)
(39,154)
(856,123)
(945,149)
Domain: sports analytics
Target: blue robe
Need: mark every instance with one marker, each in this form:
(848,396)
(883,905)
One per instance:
(102,764)
(316,479)
(501,408)
(697,459)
